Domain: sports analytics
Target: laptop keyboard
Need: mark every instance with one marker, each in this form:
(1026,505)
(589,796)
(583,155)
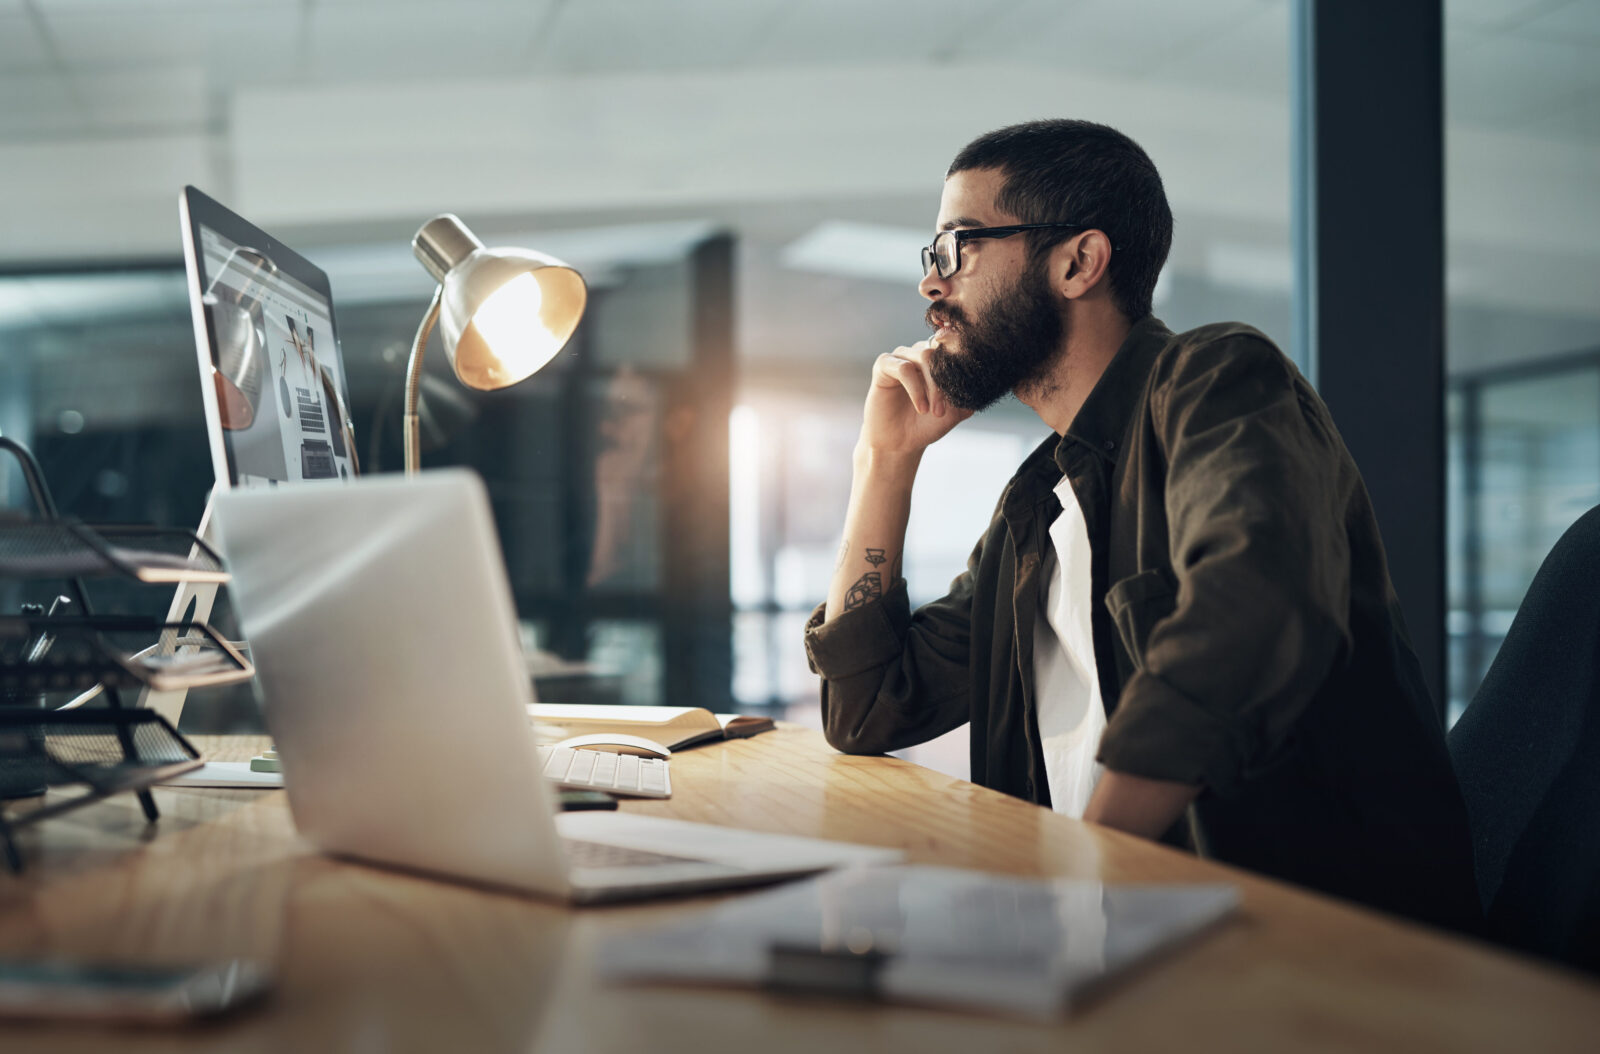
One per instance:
(598,854)
(603,770)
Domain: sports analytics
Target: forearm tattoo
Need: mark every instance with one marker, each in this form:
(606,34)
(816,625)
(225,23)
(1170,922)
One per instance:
(875,557)
(868,587)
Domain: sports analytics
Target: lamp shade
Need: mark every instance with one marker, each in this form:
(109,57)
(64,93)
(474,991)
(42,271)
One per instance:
(503,313)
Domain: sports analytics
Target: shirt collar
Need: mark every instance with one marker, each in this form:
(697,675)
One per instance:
(1103,419)
(1100,425)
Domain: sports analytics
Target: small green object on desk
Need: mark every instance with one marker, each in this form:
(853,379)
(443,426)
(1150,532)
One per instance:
(267,762)
(586,799)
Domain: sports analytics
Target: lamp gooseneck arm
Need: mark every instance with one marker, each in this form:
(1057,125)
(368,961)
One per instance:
(412,429)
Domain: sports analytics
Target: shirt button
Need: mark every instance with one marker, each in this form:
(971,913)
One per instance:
(1110,445)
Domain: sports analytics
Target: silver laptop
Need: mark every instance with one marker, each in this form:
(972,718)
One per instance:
(392,680)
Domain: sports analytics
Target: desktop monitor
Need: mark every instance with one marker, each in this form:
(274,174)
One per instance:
(272,381)
(271,378)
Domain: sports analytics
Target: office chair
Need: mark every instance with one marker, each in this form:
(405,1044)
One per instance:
(1527,755)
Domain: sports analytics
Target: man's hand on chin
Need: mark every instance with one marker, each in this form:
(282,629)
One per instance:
(1137,805)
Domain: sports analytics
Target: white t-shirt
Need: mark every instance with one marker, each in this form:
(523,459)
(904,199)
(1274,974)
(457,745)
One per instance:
(1066,683)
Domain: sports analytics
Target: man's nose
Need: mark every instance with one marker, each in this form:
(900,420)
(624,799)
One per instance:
(932,286)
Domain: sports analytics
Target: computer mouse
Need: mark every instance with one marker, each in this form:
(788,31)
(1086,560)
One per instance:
(618,742)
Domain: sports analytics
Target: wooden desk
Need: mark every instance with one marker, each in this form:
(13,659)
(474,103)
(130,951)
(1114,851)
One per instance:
(370,960)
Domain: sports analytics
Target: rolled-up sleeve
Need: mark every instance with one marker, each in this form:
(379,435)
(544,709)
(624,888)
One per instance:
(1255,499)
(893,678)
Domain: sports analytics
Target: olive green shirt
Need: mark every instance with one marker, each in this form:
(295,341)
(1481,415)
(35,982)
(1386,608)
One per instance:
(1247,636)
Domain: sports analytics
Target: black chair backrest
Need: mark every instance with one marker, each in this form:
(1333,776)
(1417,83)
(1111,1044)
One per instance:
(1527,754)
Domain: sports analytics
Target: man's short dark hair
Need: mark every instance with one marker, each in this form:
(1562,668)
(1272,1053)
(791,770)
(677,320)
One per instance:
(1065,171)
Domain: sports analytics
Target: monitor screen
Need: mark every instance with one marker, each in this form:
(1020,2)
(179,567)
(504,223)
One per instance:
(277,408)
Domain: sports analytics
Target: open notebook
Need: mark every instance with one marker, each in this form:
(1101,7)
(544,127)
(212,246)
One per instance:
(674,727)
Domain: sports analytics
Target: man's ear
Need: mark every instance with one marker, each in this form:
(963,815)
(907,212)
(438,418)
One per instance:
(1079,264)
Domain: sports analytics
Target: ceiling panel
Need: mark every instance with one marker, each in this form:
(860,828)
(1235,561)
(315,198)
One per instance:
(239,41)
(422,39)
(1251,57)
(124,36)
(21,49)
(171,99)
(1121,37)
(1001,28)
(835,32)
(1504,80)
(1493,14)
(42,105)
(607,36)
(1576,22)
(246,46)
(54,7)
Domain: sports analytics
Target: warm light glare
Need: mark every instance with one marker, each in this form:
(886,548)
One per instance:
(510,325)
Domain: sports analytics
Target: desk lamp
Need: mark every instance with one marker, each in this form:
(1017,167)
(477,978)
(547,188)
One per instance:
(502,314)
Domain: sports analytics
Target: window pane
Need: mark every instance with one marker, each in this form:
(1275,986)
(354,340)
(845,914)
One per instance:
(1523,352)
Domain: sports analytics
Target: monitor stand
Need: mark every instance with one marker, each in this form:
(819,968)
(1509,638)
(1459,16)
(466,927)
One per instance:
(192,602)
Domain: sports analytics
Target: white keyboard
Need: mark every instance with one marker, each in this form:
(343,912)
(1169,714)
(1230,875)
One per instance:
(604,771)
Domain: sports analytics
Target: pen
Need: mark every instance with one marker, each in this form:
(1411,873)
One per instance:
(41,647)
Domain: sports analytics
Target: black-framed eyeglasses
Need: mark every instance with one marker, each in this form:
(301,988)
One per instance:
(945,252)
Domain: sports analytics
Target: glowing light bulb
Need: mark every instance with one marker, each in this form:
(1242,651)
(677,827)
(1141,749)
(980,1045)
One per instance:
(514,333)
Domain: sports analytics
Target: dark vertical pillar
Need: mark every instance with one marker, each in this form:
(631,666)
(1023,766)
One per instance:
(697,608)
(1370,179)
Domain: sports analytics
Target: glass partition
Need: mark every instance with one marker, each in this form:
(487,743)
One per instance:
(1523,341)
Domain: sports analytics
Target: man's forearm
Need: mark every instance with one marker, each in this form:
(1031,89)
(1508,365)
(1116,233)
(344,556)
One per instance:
(1137,805)
(874,529)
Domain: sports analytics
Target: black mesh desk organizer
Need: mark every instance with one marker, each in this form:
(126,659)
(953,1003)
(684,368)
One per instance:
(84,756)
(52,761)
(49,547)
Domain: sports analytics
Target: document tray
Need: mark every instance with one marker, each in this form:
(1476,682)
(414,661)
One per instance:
(87,754)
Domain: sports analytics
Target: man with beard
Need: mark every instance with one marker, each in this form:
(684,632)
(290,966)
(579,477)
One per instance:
(1180,622)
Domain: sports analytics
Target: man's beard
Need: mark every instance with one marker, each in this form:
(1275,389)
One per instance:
(1009,347)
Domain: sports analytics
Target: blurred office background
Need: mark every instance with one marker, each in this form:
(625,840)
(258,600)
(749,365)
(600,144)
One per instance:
(746,184)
